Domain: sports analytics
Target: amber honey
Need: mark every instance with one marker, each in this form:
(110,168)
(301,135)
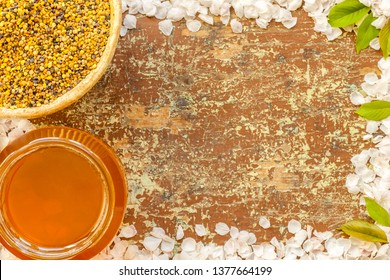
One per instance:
(63,195)
(54,197)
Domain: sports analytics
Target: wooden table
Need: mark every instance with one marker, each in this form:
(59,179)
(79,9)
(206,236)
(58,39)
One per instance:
(221,127)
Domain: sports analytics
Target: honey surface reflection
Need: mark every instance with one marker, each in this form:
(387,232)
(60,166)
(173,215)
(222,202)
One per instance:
(63,194)
(54,197)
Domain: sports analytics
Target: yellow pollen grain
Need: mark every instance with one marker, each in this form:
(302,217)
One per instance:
(48,47)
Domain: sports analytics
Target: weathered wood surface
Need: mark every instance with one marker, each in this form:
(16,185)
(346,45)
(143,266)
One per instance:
(222,127)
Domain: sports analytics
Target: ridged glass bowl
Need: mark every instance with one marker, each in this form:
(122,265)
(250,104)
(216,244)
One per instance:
(18,231)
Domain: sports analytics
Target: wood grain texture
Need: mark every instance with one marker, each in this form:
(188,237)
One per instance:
(221,127)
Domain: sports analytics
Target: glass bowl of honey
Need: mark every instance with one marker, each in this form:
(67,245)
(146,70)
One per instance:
(63,194)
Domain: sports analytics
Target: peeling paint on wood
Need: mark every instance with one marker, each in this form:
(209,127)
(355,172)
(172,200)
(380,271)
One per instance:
(221,127)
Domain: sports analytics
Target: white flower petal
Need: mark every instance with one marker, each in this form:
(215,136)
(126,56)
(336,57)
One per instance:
(234,232)
(258,250)
(262,23)
(118,250)
(230,247)
(371,78)
(203,10)
(151,243)
(264,222)
(15,133)
(124,6)
(122,31)
(243,236)
(293,5)
(372,126)
(149,9)
(166,27)
(269,252)
(294,226)
(188,244)
(375,44)
(200,230)
(236,26)
(128,231)
(176,14)
(290,23)
(193,25)
(251,11)
(323,235)
(130,22)
(334,34)
(300,237)
(252,239)
(206,18)
(179,233)
(131,252)
(222,228)
(161,12)
(3,142)
(379,22)
(23,124)
(352,180)
(134,6)
(167,245)
(225,20)
(357,98)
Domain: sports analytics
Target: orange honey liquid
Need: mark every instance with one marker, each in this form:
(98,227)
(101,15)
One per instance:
(54,197)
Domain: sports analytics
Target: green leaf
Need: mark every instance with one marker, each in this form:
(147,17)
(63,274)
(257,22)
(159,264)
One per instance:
(384,39)
(364,231)
(375,110)
(377,212)
(366,33)
(347,13)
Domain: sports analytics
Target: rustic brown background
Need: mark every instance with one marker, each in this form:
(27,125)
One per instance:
(222,127)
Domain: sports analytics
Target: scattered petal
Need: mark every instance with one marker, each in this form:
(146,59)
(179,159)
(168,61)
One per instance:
(134,6)
(118,250)
(375,44)
(158,232)
(222,228)
(357,98)
(166,27)
(167,245)
(128,231)
(4,140)
(269,252)
(236,26)
(264,222)
(15,133)
(230,247)
(149,9)
(188,244)
(130,21)
(151,243)
(122,31)
(294,226)
(252,239)
(200,230)
(290,23)
(176,14)
(234,232)
(131,252)
(179,233)
(207,19)
(161,12)
(193,25)
(243,236)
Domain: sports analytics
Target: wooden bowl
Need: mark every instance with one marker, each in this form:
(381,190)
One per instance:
(86,84)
